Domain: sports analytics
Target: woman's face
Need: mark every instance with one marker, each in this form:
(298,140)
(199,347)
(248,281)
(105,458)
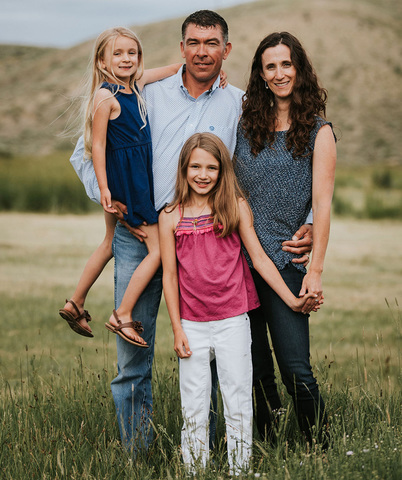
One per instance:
(278,71)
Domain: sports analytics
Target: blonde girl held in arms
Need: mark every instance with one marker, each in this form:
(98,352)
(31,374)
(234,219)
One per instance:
(117,138)
(209,290)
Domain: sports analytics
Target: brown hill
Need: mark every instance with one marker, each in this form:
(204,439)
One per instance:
(355,47)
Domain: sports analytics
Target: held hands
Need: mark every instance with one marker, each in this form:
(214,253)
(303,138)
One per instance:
(311,295)
(312,286)
(310,302)
(301,243)
(311,283)
(181,346)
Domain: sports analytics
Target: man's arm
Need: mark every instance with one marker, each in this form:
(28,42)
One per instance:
(85,170)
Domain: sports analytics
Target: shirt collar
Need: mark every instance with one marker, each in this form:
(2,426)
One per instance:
(184,89)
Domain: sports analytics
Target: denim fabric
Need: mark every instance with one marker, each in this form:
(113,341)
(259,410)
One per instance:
(290,341)
(131,388)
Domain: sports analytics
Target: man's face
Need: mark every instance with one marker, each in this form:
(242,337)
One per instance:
(204,51)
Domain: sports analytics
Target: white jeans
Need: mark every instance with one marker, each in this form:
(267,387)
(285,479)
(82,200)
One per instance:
(229,341)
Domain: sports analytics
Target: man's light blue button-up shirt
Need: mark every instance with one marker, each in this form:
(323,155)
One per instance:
(174,115)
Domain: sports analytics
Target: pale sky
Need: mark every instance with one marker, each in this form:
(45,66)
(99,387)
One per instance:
(64,23)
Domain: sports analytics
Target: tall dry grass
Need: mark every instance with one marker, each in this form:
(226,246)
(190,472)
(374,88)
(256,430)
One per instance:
(56,411)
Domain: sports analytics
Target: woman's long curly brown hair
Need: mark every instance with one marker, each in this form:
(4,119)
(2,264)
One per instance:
(259,107)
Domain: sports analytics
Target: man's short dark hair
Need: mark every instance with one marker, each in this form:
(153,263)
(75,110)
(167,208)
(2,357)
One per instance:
(206,18)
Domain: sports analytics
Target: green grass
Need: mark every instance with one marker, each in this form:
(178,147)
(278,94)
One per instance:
(42,184)
(56,410)
(49,184)
(63,426)
(368,192)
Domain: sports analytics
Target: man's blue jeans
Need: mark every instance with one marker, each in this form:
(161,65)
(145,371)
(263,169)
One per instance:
(290,341)
(131,388)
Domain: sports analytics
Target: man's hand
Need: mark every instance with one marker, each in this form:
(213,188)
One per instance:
(120,210)
(301,244)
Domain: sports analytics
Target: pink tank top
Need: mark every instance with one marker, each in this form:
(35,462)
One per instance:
(214,279)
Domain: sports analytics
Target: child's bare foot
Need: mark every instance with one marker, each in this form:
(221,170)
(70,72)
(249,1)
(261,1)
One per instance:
(126,329)
(77,318)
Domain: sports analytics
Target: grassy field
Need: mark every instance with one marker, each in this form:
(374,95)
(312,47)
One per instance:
(48,184)
(57,417)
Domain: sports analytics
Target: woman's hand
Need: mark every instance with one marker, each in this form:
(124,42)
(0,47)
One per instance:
(181,345)
(312,285)
(308,303)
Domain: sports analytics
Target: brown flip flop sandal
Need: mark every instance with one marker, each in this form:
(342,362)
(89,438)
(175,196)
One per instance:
(74,321)
(137,326)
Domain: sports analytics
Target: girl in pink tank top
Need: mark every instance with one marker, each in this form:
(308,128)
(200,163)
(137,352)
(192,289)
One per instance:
(209,290)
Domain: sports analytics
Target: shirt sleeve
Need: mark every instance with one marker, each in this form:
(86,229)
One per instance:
(85,170)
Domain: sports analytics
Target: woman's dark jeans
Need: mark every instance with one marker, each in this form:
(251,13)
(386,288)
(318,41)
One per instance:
(290,341)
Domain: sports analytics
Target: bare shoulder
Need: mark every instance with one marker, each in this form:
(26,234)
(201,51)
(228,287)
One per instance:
(244,207)
(325,146)
(169,218)
(325,134)
(105,96)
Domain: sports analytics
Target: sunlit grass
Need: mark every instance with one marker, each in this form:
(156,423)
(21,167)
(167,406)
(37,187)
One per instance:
(49,184)
(373,192)
(42,184)
(64,426)
(56,409)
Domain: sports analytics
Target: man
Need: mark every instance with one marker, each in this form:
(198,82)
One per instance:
(188,102)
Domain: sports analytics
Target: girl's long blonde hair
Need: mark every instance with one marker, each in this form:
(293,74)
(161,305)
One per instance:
(97,75)
(224,197)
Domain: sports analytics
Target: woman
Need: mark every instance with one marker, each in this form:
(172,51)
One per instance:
(285,162)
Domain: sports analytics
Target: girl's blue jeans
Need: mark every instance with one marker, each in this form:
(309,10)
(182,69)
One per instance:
(131,388)
(289,332)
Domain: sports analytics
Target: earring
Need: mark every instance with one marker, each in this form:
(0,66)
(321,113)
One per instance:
(266,85)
